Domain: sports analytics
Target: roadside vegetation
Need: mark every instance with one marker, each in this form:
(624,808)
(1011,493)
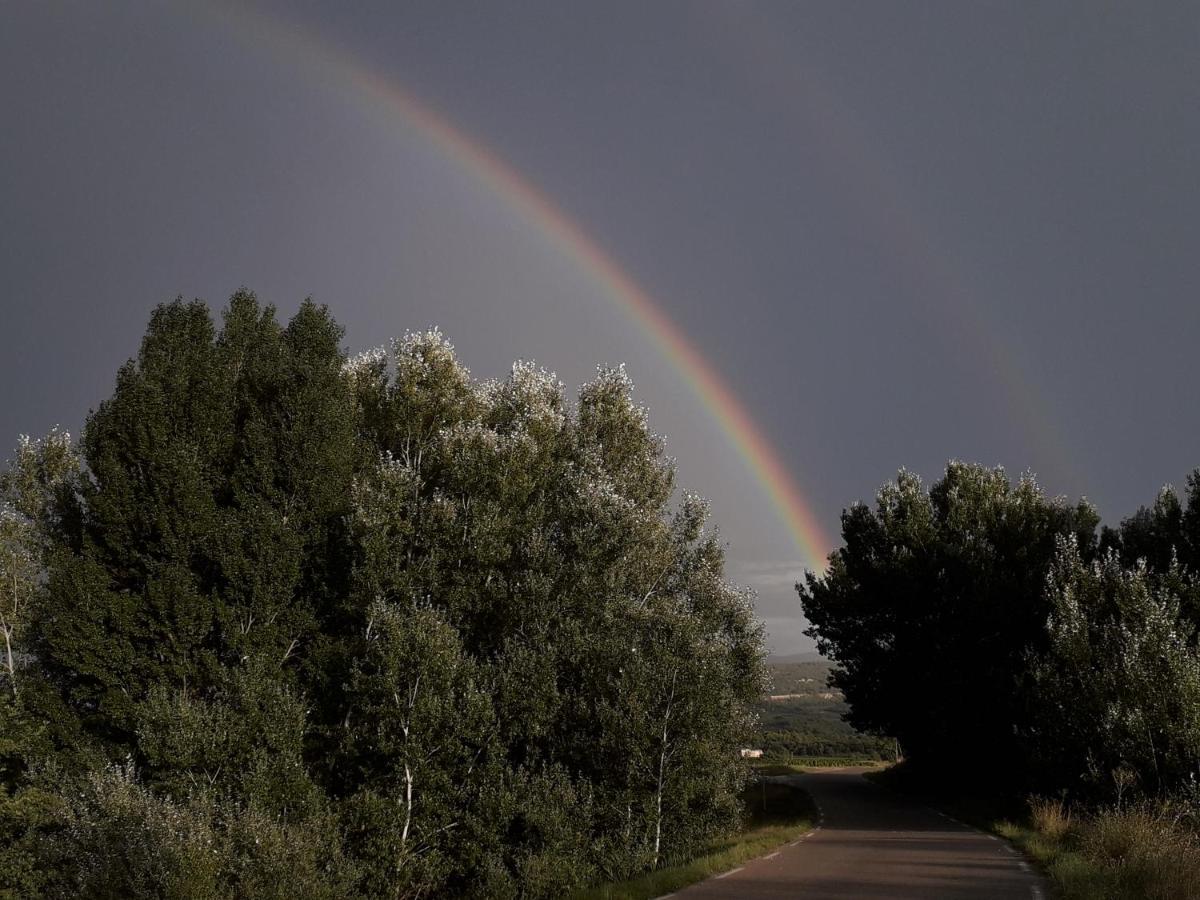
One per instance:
(994,630)
(1132,849)
(1128,852)
(775,813)
(287,623)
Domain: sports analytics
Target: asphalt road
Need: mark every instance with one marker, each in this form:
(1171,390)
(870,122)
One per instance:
(872,844)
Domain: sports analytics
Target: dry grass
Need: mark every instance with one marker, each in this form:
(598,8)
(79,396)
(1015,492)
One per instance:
(1138,851)
(1150,852)
(1050,817)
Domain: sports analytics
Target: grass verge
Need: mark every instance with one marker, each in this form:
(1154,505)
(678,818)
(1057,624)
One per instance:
(777,813)
(1072,875)
(1142,850)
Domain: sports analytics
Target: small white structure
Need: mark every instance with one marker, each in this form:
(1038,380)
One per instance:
(747,753)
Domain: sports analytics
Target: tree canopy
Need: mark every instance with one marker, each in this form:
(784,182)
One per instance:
(366,625)
(989,627)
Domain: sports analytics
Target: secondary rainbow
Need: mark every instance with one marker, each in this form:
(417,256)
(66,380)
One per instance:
(379,93)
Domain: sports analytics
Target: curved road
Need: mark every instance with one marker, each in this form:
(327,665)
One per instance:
(872,844)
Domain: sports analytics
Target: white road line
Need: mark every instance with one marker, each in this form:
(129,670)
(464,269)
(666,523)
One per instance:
(795,843)
(771,855)
(1037,892)
(730,872)
(1024,866)
(664,897)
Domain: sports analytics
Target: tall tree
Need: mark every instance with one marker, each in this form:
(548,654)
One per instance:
(1118,687)
(374,626)
(32,493)
(932,606)
(218,479)
(544,537)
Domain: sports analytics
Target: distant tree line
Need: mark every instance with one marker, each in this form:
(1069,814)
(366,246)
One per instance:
(290,624)
(783,743)
(993,629)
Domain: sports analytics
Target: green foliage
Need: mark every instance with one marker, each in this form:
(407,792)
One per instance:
(244,743)
(123,840)
(774,813)
(1166,537)
(620,665)
(1119,685)
(933,605)
(416,749)
(218,479)
(299,625)
(32,494)
(982,615)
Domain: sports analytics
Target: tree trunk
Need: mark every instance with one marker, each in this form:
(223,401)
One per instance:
(9,664)
(662,770)
(408,788)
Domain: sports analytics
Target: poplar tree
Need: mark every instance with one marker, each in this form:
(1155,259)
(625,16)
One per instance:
(1119,685)
(218,475)
(373,627)
(932,608)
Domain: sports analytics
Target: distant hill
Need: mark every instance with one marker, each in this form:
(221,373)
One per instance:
(802,716)
(801,673)
(788,658)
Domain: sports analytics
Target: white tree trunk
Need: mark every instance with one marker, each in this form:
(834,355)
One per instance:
(408,788)
(662,771)
(8,652)
(9,626)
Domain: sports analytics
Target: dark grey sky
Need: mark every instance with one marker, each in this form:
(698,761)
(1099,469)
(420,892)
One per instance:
(901,232)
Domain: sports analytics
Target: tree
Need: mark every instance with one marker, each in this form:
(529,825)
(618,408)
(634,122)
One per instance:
(418,747)
(1118,687)
(218,479)
(31,495)
(1166,538)
(1153,534)
(30,498)
(934,603)
(544,538)
(326,626)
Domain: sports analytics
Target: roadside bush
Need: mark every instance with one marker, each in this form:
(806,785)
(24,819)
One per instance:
(122,840)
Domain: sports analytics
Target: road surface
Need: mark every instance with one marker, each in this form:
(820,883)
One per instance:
(872,844)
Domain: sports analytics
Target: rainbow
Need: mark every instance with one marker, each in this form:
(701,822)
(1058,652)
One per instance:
(378,93)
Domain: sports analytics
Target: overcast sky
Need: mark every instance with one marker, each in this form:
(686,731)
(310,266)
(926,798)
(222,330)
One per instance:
(901,232)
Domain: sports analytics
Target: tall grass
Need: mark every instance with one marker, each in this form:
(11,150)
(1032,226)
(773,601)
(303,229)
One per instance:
(1140,850)
(1051,818)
